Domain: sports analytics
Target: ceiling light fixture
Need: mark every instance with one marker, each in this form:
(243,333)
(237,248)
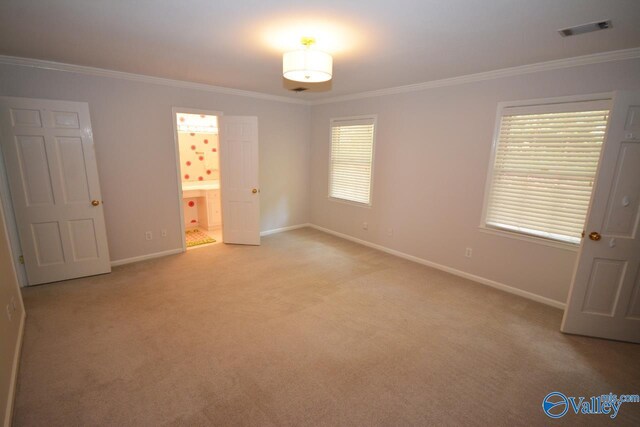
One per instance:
(307,65)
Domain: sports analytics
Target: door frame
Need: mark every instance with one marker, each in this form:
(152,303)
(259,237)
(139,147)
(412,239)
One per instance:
(12,227)
(174,119)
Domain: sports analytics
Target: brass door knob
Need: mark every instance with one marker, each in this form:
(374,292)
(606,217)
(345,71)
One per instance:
(594,235)
(95,202)
(254,191)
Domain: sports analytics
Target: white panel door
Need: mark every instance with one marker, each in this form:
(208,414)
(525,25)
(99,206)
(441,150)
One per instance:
(53,178)
(604,300)
(239,180)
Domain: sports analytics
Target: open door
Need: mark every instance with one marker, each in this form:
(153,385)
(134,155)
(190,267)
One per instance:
(604,300)
(53,177)
(239,180)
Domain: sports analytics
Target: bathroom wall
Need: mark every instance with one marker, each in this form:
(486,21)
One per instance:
(199,160)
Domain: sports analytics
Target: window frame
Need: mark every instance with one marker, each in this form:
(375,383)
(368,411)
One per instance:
(544,104)
(374,118)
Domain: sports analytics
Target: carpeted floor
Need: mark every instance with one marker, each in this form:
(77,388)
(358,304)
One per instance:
(307,329)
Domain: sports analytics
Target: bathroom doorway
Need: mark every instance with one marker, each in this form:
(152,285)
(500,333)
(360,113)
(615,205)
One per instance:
(198,154)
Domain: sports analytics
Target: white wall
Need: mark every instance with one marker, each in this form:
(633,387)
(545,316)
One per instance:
(431,159)
(10,330)
(133,134)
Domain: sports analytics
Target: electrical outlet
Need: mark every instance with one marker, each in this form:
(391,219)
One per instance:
(9,312)
(365,226)
(390,231)
(468,252)
(163,232)
(148,235)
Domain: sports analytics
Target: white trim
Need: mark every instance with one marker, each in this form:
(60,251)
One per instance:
(558,107)
(176,143)
(11,225)
(531,239)
(14,372)
(576,61)
(599,96)
(101,72)
(460,273)
(351,202)
(146,257)
(180,250)
(281,229)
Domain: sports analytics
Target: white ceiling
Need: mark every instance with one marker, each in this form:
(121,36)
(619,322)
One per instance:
(376,44)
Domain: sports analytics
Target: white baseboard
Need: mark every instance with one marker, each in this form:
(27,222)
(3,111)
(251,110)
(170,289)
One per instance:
(14,373)
(180,250)
(460,273)
(145,257)
(280,230)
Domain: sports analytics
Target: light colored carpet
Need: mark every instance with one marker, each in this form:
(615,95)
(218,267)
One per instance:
(307,329)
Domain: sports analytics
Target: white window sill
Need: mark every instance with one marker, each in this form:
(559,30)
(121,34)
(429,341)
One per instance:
(532,239)
(349,202)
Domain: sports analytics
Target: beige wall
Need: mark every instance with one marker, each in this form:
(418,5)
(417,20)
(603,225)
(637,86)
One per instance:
(431,159)
(135,149)
(9,329)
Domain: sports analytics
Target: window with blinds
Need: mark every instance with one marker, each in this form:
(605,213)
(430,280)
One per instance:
(545,164)
(351,162)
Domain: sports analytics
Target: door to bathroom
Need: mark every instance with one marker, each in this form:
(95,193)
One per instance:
(241,194)
(217,164)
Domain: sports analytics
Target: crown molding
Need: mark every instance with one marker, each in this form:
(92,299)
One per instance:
(596,58)
(101,72)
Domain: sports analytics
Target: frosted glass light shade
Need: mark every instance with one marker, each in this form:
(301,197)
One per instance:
(307,65)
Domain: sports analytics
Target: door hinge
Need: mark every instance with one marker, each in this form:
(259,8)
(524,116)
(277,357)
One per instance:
(21,259)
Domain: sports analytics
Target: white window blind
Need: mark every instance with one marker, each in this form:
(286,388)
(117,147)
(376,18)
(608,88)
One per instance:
(545,163)
(351,162)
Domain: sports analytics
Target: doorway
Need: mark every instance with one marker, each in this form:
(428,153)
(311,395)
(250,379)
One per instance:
(197,139)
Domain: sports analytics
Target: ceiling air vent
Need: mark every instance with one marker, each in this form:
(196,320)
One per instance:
(585,28)
(299,89)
